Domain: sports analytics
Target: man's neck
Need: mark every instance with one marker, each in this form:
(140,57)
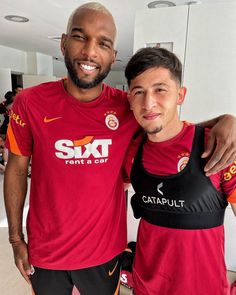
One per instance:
(168,132)
(81,94)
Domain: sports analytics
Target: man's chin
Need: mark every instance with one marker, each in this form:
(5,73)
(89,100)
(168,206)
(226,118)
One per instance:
(154,130)
(85,84)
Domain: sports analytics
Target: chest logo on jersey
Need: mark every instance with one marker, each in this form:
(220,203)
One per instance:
(111,120)
(159,186)
(83,151)
(183,161)
(163,201)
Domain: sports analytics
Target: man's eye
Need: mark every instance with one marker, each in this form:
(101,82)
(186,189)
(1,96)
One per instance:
(160,90)
(78,37)
(104,44)
(139,92)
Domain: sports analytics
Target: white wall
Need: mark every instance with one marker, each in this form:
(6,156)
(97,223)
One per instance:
(45,65)
(26,63)
(13,59)
(115,78)
(39,64)
(210,67)
(132,223)
(31,63)
(5,82)
(161,26)
(230,240)
(59,69)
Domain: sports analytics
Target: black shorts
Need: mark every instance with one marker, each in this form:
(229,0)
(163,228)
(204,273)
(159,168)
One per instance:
(98,280)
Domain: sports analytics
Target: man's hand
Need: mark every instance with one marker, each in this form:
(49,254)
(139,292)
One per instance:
(20,250)
(223,138)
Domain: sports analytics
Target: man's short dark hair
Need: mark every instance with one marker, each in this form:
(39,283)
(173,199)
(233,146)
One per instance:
(15,88)
(153,57)
(9,95)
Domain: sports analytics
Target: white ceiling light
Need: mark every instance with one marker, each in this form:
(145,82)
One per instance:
(16,18)
(159,4)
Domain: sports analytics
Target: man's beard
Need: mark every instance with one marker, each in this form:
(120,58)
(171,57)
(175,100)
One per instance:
(154,131)
(81,83)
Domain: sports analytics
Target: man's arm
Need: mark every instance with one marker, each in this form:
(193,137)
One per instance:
(15,188)
(221,145)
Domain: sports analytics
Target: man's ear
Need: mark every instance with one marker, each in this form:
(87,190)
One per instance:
(114,56)
(63,43)
(182,94)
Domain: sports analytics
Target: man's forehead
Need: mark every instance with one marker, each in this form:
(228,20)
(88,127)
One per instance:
(159,73)
(88,13)
(90,16)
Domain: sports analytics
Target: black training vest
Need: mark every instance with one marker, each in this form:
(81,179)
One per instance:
(186,200)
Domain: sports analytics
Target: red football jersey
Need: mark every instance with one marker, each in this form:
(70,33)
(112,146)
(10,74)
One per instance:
(77,215)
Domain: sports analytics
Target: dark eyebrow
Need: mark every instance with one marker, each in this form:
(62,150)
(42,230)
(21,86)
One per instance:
(106,39)
(160,84)
(135,87)
(154,85)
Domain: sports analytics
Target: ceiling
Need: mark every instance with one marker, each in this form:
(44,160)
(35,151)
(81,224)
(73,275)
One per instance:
(48,18)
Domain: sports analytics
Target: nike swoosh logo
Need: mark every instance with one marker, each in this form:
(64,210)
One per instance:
(110,273)
(48,120)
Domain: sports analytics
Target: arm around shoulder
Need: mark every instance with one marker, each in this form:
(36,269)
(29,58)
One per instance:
(221,146)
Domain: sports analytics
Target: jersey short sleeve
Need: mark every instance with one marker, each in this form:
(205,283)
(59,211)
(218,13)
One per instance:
(225,180)
(229,182)
(19,138)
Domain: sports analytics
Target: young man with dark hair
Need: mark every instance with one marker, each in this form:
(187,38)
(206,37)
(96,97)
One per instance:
(180,243)
(18,88)
(5,107)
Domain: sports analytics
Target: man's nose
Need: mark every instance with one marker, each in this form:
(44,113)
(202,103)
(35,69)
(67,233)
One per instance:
(90,49)
(149,101)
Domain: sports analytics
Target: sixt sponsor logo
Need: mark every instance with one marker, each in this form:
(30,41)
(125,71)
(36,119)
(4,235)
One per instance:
(83,151)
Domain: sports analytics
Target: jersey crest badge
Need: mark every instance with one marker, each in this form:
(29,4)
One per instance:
(182,163)
(111,120)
